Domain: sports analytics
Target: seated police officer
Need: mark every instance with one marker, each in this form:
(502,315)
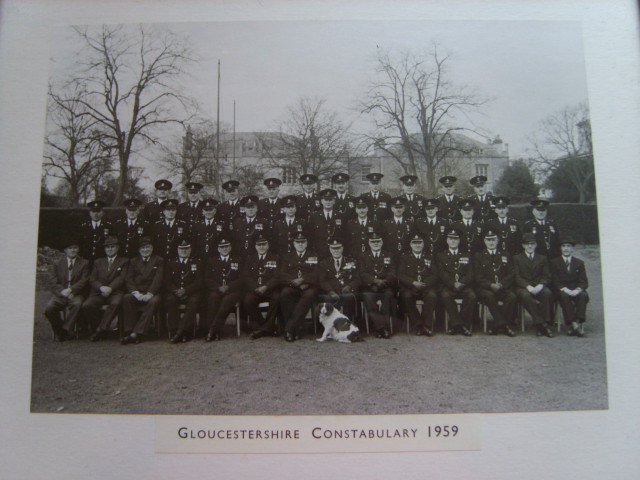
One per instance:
(71,277)
(299,275)
(261,281)
(108,278)
(339,279)
(418,279)
(182,285)
(494,281)
(455,272)
(378,276)
(223,284)
(570,283)
(143,285)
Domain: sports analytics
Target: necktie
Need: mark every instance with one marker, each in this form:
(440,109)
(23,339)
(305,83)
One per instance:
(531,257)
(337,264)
(568,264)
(71,263)
(109,262)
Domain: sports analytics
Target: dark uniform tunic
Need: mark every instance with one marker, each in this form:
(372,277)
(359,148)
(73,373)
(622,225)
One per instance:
(188,275)
(571,276)
(243,231)
(258,273)
(283,232)
(345,206)
(448,209)
(270,211)
(92,239)
(510,234)
(483,208)
(223,283)
(190,212)
(433,232)
(152,212)
(496,268)
(380,266)
(227,212)
(414,206)
(129,235)
(547,237)
(299,276)
(166,237)
(357,234)
(421,268)
(342,281)
(204,237)
(456,268)
(307,205)
(320,228)
(379,206)
(396,235)
(471,240)
(534,272)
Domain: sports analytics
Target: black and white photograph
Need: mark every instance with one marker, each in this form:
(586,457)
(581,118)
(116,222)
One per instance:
(401,212)
(362,239)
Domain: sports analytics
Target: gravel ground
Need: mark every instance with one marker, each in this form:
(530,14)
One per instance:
(403,375)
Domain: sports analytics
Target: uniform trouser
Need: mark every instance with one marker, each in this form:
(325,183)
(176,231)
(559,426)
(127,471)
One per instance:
(56,305)
(131,321)
(502,315)
(219,306)
(295,304)
(251,304)
(469,301)
(347,301)
(188,320)
(428,297)
(370,299)
(573,308)
(538,306)
(91,309)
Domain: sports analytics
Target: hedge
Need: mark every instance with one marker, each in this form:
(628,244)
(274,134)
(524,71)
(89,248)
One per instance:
(579,221)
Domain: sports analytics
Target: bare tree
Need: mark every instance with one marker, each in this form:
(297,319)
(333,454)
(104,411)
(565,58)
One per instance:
(416,110)
(194,158)
(75,148)
(129,86)
(563,142)
(310,139)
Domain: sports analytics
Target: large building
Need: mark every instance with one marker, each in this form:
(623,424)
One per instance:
(249,158)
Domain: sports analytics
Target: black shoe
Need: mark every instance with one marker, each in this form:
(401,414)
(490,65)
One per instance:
(177,338)
(452,331)
(289,337)
(580,332)
(466,332)
(259,334)
(539,332)
(99,335)
(383,333)
(127,340)
(137,338)
(545,331)
(420,331)
(572,332)
(212,337)
(508,332)
(492,331)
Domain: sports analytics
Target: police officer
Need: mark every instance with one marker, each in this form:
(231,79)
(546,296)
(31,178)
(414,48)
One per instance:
(94,231)
(182,285)
(378,276)
(357,229)
(339,279)
(107,280)
(71,278)
(168,232)
(455,273)
(152,211)
(532,278)
(544,230)
(223,284)
(287,227)
(398,230)
(482,200)
(344,201)
(508,228)
(131,228)
(271,207)
(261,281)
(414,202)
(380,202)
(308,202)
(418,279)
(205,232)
(469,227)
(299,277)
(448,201)
(326,223)
(569,279)
(432,228)
(144,283)
(231,208)
(191,210)
(246,227)
(494,278)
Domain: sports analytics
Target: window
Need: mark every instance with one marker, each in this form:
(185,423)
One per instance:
(366,170)
(482,169)
(289,175)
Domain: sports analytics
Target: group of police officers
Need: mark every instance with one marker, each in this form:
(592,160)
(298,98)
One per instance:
(204,259)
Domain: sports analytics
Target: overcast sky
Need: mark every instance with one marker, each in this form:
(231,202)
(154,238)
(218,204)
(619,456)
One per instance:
(529,69)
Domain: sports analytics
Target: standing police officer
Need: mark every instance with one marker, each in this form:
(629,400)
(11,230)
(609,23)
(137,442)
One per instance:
(152,211)
(379,202)
(94,231)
